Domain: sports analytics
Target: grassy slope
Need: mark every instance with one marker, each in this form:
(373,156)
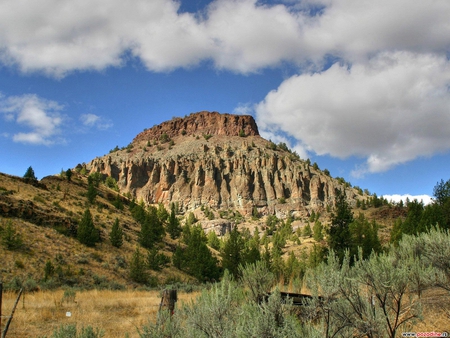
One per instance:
(60,201)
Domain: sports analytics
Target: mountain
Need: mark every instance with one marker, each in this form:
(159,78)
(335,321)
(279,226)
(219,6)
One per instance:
(220,161)
(211,164)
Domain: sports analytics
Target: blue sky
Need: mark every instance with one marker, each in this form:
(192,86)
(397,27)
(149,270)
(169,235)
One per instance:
(361,88)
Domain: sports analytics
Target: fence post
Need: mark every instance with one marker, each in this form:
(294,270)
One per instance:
(168,300)
(5,331)
(1,295)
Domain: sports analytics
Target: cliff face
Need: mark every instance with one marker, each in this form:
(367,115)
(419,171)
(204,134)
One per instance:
(201,123)
(217,160)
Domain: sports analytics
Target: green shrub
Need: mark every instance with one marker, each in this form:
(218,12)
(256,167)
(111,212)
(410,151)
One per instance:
(11,239)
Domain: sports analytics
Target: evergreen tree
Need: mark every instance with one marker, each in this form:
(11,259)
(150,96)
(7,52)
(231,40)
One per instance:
(277,262)
(191,219)
(138,269)
(213,240)
(49,270)
(163,215)
(69,174)
(118,202)
(293,268)
(307,232)
(92,192)
(232,252)
(86,232)
(364,235)
(318,231)
(152,229)
(195,258)
(442,193)
(156,260)
(11,239)
(252,253)
(116,234)
(339,238)
(29,174)
(173,225)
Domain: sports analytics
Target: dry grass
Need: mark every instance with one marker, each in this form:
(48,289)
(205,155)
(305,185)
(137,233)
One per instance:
(116,312)
(122,312)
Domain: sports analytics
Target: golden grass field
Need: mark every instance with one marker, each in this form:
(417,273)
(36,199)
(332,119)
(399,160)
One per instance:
(116,312)
(120,313)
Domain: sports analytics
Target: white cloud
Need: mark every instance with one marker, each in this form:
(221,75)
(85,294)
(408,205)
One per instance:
(92,120)
(385,102)
(248,37)
(59,36)
(355,30)
(40,115)
(426,199)
(389,110)
(244,109)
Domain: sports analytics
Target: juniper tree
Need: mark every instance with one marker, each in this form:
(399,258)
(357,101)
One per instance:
(116,234)
(86,232)
(152,229)
(318,231)
(138,268)
(69,174)
(339,237)
(307,232)
(232,252)
(92,192)
(11,239)
(29,174)
(173,224)
(195,258)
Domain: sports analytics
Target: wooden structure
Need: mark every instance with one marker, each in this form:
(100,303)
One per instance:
(168,300)
(5,330)
(298,299)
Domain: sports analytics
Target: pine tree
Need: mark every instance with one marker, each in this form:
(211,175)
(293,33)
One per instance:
(307,232)
(116,234)
(232,252)
(318,231)
(49,270)
(339,238)
(196,259)
(92,192)
(86,232)
(191,219)
(364,235)
(11,239)
(173,225)
(163,215)
(138,269)
(152,229)
(69,174)
(29,174)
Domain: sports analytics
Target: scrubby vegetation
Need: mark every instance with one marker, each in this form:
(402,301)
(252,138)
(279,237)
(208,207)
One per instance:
(365,278)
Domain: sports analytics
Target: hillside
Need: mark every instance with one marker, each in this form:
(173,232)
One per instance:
(45,213)
(215,166)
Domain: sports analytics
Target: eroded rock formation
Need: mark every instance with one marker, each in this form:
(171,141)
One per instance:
(217,160)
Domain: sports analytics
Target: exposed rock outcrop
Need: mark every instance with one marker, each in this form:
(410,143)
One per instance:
(217,160)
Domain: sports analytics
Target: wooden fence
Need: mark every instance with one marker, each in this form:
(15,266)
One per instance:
(10,317)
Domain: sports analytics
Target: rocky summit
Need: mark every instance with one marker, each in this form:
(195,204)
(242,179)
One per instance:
(220,161)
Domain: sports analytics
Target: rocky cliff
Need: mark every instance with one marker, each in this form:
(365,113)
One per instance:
(218,160)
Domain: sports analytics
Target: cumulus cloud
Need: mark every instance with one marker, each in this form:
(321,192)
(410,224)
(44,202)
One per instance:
(59,36)
(41,116)
(389,110)
(384,101)
(95,121)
